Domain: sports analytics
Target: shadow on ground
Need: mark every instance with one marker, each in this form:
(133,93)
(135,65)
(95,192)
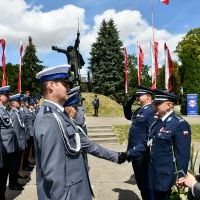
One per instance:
(126,194)
(131,180)
(12,194)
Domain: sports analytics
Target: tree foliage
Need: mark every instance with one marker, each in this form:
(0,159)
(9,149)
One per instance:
(174,79)
(30,66)
(12,76)
(133,75)
(189,54)
(106,62)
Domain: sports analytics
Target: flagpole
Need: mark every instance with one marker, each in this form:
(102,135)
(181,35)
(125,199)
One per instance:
(152,43)
(138,62)
(3,61)
(166,68)
(125,71)
(152,19)
(154,50)
(20,67)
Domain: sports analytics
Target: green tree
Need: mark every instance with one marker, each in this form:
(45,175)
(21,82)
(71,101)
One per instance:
(146,79)
(12,76)
(133,74)
(106,62)
(174,79)
(161,78)
(30,66)
(189,54)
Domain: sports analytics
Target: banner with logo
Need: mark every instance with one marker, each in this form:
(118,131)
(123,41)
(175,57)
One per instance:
(192,104)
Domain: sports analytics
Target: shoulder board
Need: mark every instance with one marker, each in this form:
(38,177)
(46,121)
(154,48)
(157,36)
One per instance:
(155,117)
(180,119)
(169,119)
(47,109)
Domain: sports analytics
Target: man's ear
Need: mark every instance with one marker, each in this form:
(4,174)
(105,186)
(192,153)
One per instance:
(170,104)
(50,86)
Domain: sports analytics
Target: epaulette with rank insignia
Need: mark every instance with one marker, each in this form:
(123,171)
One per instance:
(180,119)
(47,109)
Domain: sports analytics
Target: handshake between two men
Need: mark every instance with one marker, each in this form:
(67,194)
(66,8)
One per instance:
(135,152)
(122,157)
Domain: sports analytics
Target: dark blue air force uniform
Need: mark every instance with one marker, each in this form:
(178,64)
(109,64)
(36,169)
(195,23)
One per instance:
(141,120)
(169,143)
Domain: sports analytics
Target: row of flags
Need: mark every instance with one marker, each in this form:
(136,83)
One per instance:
(3,63)
(154,67)
(154,56)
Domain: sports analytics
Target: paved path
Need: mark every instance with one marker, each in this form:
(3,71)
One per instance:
(92,121)
(110,181)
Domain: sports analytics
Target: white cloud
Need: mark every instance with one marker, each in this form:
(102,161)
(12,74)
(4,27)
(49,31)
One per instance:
(19,20)
(58,27)
(133,27)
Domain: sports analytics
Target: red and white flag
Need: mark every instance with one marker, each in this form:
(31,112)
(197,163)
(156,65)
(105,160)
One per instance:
(125,71)
(20,68)
(168,68)
(165,1)
(140,60)
(3,61)
(154,67)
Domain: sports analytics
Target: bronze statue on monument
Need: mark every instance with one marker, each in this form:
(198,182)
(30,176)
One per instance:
(74,57)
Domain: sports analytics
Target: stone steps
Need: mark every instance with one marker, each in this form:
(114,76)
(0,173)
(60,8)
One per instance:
(104,140)
(101,134)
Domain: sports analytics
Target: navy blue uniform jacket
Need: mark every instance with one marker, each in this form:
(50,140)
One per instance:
(141,119)
(169,152)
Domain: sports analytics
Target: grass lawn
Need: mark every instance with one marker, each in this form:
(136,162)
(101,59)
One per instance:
(121,132)
(107,108)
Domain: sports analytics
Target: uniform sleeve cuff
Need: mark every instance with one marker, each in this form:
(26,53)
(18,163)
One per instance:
(192,189)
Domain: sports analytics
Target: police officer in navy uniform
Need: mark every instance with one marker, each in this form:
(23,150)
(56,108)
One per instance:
(19,129)
(29,154)
(169,143)
(28,122)
(61,168)
(9,144)
(37,105)
(72,106)
(76,112)
(141,120)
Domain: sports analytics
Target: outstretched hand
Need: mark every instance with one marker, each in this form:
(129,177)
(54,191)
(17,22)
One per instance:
(122,157)
(187,181)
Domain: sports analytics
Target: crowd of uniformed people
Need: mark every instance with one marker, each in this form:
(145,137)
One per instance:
(158,142)
(17,116)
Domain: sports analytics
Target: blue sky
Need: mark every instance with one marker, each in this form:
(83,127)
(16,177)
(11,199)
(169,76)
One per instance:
(177,17)
(54,22)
